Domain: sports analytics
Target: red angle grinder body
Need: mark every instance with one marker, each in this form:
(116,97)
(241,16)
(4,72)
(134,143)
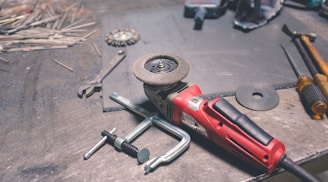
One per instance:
(183,104)
(221,123)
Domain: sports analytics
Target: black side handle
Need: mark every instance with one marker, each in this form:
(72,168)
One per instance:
(247,125)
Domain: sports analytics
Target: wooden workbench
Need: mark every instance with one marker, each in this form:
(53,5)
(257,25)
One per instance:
(45,129)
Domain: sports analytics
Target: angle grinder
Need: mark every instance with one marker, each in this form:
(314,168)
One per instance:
(217,120)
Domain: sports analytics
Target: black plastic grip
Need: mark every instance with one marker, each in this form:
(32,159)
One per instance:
(311,94)
(247,125)
(199,18)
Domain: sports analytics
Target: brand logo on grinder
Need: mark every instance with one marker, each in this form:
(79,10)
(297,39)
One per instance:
(194,103)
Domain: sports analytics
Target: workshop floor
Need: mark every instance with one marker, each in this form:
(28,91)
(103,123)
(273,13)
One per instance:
(45,129)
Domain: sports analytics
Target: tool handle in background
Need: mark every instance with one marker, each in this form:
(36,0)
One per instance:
(311,96)
(319,79)
(323,67)
(199,18)
(204,9)
(307,60)
(313,101)
(322,82)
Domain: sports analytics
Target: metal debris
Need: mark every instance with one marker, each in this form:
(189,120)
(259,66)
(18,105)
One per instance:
(97,50)
(4,60)
(63,65)
(42,25)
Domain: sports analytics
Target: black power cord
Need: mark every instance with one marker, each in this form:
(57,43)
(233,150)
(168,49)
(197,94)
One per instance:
(297,170)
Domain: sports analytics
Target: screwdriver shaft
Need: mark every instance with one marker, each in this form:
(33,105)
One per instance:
(291,61)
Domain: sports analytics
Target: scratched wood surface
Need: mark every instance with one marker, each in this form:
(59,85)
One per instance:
(45,129)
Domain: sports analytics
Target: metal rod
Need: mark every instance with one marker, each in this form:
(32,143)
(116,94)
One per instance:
(96,48)
(80,26)
(63,65)
(89,34)
(97,146)
(4,60)
(61,22)
(291,61)
(75,23)
(34,48)
(35,4)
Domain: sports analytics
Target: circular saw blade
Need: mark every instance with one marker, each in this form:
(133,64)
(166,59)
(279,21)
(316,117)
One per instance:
(160,69)
(122,37)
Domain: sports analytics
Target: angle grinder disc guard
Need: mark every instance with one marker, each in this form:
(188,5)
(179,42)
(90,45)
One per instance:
(160,69)
(258,97)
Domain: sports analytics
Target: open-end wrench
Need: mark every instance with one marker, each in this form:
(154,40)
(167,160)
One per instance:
(95,84)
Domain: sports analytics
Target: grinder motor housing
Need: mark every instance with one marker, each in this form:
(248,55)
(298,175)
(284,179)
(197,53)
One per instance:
(218,121)
(183,104)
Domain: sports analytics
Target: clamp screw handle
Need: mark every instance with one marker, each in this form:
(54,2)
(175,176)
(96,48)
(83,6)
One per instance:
(142,155)
(108,137)
(97,146)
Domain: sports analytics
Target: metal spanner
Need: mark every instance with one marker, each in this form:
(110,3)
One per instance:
(95,84)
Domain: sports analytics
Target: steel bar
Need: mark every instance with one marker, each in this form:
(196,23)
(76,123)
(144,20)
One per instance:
(4,60)
(26,49)
(96,48)
(63,65)
(89,34)
(79,26)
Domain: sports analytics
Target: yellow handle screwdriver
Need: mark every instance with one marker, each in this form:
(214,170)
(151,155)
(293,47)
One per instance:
(320,80)
(311,95)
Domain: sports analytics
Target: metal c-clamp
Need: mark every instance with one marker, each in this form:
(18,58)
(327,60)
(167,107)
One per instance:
(154,119)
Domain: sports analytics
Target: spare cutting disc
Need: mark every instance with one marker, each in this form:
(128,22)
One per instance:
(160,69)
(258,97)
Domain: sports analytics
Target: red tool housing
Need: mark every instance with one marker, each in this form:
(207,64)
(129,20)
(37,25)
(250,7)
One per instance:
(224,125)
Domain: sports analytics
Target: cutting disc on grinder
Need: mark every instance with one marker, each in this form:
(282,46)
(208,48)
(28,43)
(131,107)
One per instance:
(160,69)
(259,97)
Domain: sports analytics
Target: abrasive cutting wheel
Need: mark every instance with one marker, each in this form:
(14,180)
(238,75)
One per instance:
(122,37)
(160,69)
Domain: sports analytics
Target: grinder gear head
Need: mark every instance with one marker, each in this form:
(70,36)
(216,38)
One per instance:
(160,69)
